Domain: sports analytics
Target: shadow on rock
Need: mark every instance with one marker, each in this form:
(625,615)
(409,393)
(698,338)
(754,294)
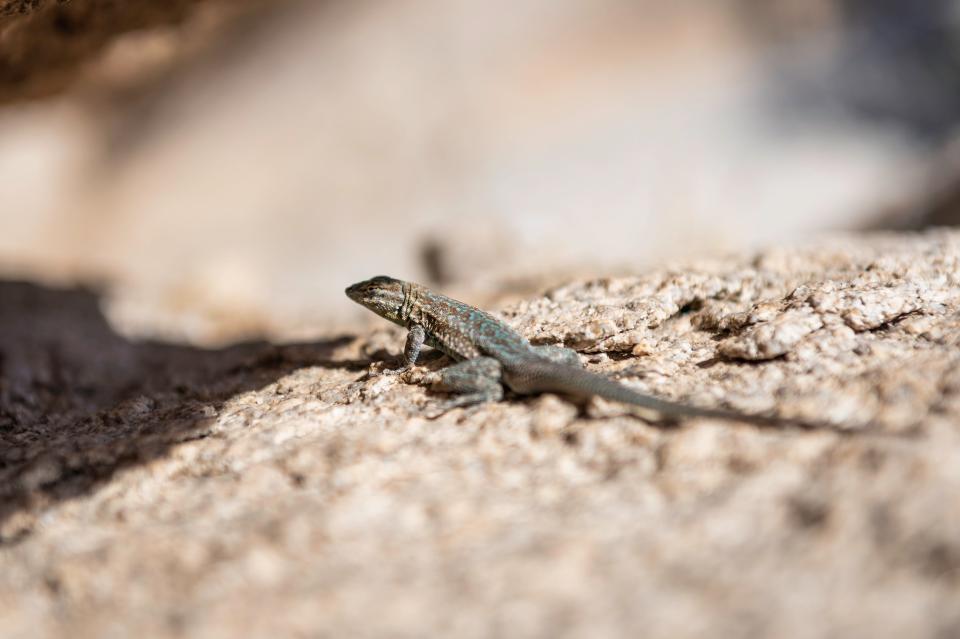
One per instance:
(78,402)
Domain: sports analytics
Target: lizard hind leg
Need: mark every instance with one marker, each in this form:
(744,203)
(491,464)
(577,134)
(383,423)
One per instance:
(476,381)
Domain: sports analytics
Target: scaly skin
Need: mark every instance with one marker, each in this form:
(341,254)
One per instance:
(490,354)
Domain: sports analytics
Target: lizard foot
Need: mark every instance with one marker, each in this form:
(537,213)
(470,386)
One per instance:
(471,403)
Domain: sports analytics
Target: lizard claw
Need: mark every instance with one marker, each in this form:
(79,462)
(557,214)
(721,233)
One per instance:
(469,405)
(395,371)
(402,373)
(436,412)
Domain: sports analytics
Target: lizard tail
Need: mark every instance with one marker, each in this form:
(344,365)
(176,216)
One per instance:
(547,376)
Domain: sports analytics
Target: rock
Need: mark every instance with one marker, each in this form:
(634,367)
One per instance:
(159,490)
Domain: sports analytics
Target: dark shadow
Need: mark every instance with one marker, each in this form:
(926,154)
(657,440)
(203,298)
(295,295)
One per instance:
(78,402)
(940,207)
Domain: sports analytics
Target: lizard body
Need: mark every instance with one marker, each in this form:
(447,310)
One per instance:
(490,354)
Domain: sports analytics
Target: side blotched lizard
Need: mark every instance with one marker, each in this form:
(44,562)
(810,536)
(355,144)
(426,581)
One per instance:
(491,355)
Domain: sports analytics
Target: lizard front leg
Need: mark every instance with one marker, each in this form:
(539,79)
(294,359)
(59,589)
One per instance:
(411,350)
(477,380)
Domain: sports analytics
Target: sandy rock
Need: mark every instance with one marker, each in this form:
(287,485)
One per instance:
(158,490)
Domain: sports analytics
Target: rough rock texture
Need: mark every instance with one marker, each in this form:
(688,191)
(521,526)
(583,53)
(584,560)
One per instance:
(156,490)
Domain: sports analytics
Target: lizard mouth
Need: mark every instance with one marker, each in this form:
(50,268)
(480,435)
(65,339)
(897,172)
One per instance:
(354,292)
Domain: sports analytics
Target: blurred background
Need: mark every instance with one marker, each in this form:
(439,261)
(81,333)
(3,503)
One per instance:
(223,169)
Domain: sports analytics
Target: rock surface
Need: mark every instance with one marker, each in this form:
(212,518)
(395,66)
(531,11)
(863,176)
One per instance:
(260,490)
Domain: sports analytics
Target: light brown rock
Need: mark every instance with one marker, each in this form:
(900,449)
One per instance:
(156,490)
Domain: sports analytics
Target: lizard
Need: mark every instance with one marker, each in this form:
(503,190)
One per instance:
(489,355)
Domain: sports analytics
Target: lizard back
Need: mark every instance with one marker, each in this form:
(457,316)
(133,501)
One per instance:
(463,331)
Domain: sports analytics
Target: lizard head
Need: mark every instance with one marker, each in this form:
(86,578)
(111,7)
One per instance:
(383,295)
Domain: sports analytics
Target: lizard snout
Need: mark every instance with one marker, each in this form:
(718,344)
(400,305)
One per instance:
(353,291)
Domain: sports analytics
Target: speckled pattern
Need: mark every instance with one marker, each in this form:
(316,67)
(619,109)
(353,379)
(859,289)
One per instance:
(14,7)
